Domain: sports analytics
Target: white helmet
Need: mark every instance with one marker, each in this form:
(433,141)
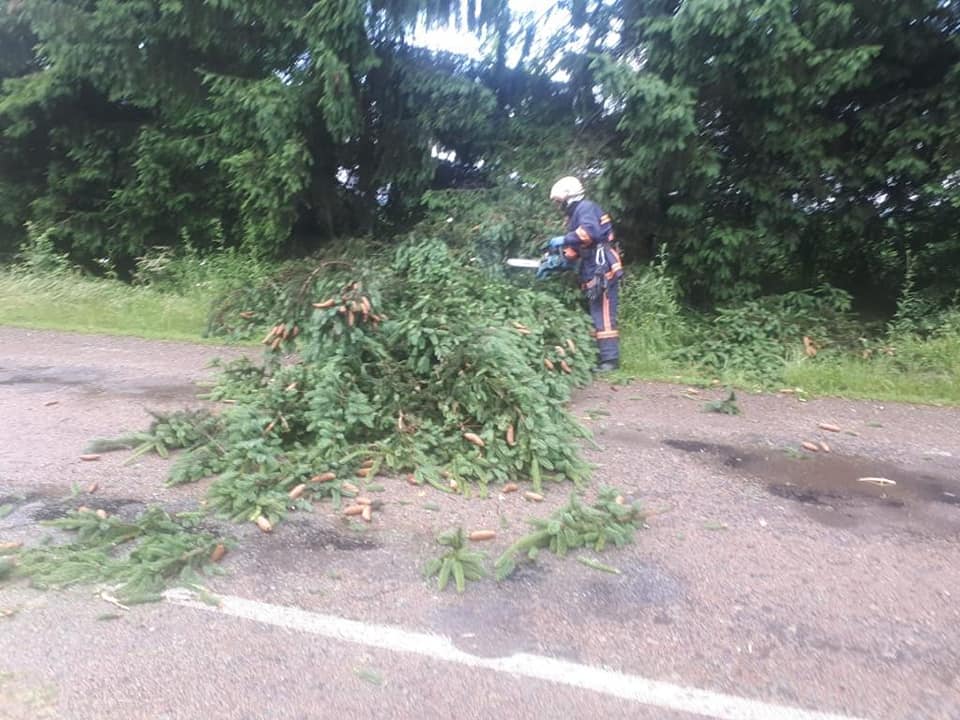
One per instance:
(567,190)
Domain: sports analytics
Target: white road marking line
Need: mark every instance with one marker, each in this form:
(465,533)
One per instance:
(609,682)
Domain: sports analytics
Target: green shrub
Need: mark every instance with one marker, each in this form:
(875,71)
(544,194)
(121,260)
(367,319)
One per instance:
(753,341)
(39,255)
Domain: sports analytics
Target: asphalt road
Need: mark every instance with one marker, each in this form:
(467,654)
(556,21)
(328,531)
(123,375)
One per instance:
(771,582)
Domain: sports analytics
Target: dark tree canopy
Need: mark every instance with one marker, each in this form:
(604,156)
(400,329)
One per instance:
(764,143)
(790,140)
(127,124)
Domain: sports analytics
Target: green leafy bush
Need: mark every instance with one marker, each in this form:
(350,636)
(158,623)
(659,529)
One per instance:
(39,254)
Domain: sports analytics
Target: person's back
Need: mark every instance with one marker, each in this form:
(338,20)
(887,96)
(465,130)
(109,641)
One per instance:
(594,228)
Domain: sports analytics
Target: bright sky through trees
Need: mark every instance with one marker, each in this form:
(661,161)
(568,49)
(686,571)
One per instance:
(549,18)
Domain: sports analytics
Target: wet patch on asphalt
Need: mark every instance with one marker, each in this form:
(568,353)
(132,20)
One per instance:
(329,539)
(619,597)
(831,488)
(505,624)
(152,390)
(94,381)
(498,625)
(38,378)
(484,628)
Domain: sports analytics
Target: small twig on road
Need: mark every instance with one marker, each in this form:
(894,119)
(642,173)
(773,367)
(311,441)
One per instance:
(590,563)
(113,601)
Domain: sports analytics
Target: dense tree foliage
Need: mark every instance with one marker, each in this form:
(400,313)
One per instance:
(763,143)
(127,124)
(790,140)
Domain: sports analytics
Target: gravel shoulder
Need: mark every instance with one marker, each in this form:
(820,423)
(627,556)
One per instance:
(767,571)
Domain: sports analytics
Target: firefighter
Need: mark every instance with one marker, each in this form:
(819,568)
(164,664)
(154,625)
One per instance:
(590,240)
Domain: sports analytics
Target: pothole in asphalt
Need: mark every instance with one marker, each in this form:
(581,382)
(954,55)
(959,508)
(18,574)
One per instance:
(303,538)
(42,377)
(825,483)
(731,456)
(38,507)
(802,495)
(30,509)
(327,539)
(695,446)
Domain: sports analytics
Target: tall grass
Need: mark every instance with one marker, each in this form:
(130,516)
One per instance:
(758,346)
(653,324)
(917,370)
(78,303)
(170,297)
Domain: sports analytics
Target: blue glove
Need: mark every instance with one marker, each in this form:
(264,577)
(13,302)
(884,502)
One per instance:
(552,264)
(555,244)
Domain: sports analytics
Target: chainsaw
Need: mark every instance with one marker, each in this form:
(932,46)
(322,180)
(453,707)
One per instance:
(548,263)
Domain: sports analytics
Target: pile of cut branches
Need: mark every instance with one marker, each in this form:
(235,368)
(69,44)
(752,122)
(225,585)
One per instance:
(414,363)
(411,364)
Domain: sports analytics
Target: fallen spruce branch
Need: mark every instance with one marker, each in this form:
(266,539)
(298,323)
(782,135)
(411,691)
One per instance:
(138,558)
(727,406)
(184,429)
(458,562)
(596,565)
(573,526)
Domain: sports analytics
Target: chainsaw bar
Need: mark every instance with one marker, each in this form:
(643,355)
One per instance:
(523,263)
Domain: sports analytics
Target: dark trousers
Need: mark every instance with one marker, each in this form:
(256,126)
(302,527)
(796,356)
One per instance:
(603,311)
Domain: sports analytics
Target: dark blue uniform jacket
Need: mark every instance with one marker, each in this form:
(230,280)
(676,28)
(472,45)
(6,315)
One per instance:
(589,228)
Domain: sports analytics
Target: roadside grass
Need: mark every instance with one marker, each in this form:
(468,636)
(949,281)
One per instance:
(642,360)
(919,371)
(661,340)
(73,302)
